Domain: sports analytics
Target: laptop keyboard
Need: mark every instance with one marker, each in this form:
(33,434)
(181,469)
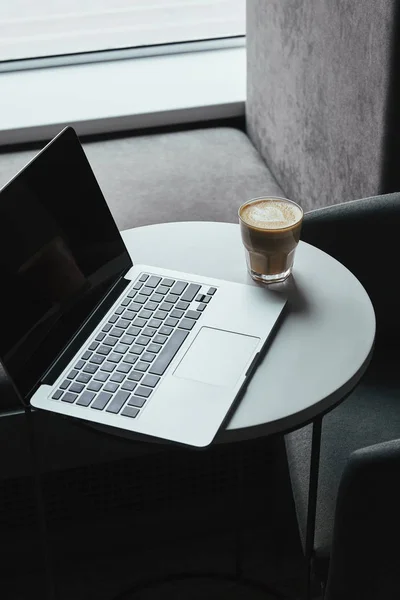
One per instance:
(126,360)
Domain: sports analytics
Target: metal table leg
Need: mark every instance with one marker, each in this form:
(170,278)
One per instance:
(312,502)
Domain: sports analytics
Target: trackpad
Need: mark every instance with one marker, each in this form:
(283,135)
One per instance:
(217,357)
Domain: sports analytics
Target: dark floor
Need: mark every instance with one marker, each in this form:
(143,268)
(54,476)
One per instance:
(112,526)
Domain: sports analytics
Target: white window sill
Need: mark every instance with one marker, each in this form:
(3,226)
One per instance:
(122,95)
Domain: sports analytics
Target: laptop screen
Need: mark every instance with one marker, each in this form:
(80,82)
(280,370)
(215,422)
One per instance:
(60,253)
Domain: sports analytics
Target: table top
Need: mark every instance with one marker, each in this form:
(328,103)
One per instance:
(322,346)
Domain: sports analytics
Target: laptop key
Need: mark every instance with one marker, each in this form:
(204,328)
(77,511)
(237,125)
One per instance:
(141,366)
(207,299)
(143,391)
(166,306)
(113,319)
(85,398)
(129,315)
(57,394)
(146,291)
(192,314)
(142,340)
(190,292)
(90,368)
(177,314)
(125,302)
(69,397)
(139,299)
(157,297)
(124,368)
(134,331)
(143,277)
(138,285)
(76,387)
(136,349)
(169,351)
(110,341)
(130,359)
(104,350)
(97,359)
(137,401)
(160,315)
(182,305)
(149,332)
(101,401)
(120,310)
(178,287)
(168,282)
(151,380)
(95,345)
(135,376)
(154,323)
(101,376)
(165,330)
(153,281)
(117,332)
(121,348)
(128,386)
(162,289)
(127,339)
(94,386)
(160,339)
(211,291)
(84,378)
(199,298)
(118,401)
(65,384)
(79,364)
(114,357)
(117,377)
(148,357)
(72,374)
(123,323)
(201,307)
(129,411)
(146,314)
(107,327)
(133,290)
(138,322)
(151,305)
(171,322)
(187,324)
(171,299)
(135,307)
(110,387)
(86,355)
(154,348)
(109,367)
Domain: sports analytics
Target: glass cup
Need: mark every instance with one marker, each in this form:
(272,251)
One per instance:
(270,228)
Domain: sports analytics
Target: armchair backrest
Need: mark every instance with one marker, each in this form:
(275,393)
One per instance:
(322,99)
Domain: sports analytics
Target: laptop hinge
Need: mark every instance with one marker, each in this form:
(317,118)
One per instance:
(59,364)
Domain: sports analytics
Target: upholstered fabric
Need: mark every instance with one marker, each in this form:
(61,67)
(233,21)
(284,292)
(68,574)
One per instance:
(318,77)
(365,551)
(201,174)
(363,236)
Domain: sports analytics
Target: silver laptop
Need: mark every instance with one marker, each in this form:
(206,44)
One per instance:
(86,333)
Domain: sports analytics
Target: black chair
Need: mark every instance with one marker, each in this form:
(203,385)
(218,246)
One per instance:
(364,235)
(365,553)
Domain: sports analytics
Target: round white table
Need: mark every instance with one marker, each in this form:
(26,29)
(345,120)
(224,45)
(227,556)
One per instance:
(317,356)
(322,346)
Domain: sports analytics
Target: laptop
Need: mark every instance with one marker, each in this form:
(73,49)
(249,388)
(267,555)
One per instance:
(87,333)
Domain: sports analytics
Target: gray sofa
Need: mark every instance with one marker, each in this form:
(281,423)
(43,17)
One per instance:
(317,129)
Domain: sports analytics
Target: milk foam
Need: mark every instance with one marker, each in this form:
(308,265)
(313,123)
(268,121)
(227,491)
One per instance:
(271,214)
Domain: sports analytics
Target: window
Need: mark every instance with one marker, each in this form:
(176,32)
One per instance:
(42,28)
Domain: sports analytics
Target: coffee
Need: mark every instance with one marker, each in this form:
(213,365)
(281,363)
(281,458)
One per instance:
(270,231)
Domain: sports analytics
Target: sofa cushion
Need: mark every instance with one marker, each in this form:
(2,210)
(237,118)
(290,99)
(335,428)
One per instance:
(201,174)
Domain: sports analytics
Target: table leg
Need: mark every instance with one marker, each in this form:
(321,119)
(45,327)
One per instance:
(40,507)
(312,501)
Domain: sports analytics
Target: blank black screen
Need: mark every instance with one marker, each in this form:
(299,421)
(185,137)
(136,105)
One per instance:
(60,253)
